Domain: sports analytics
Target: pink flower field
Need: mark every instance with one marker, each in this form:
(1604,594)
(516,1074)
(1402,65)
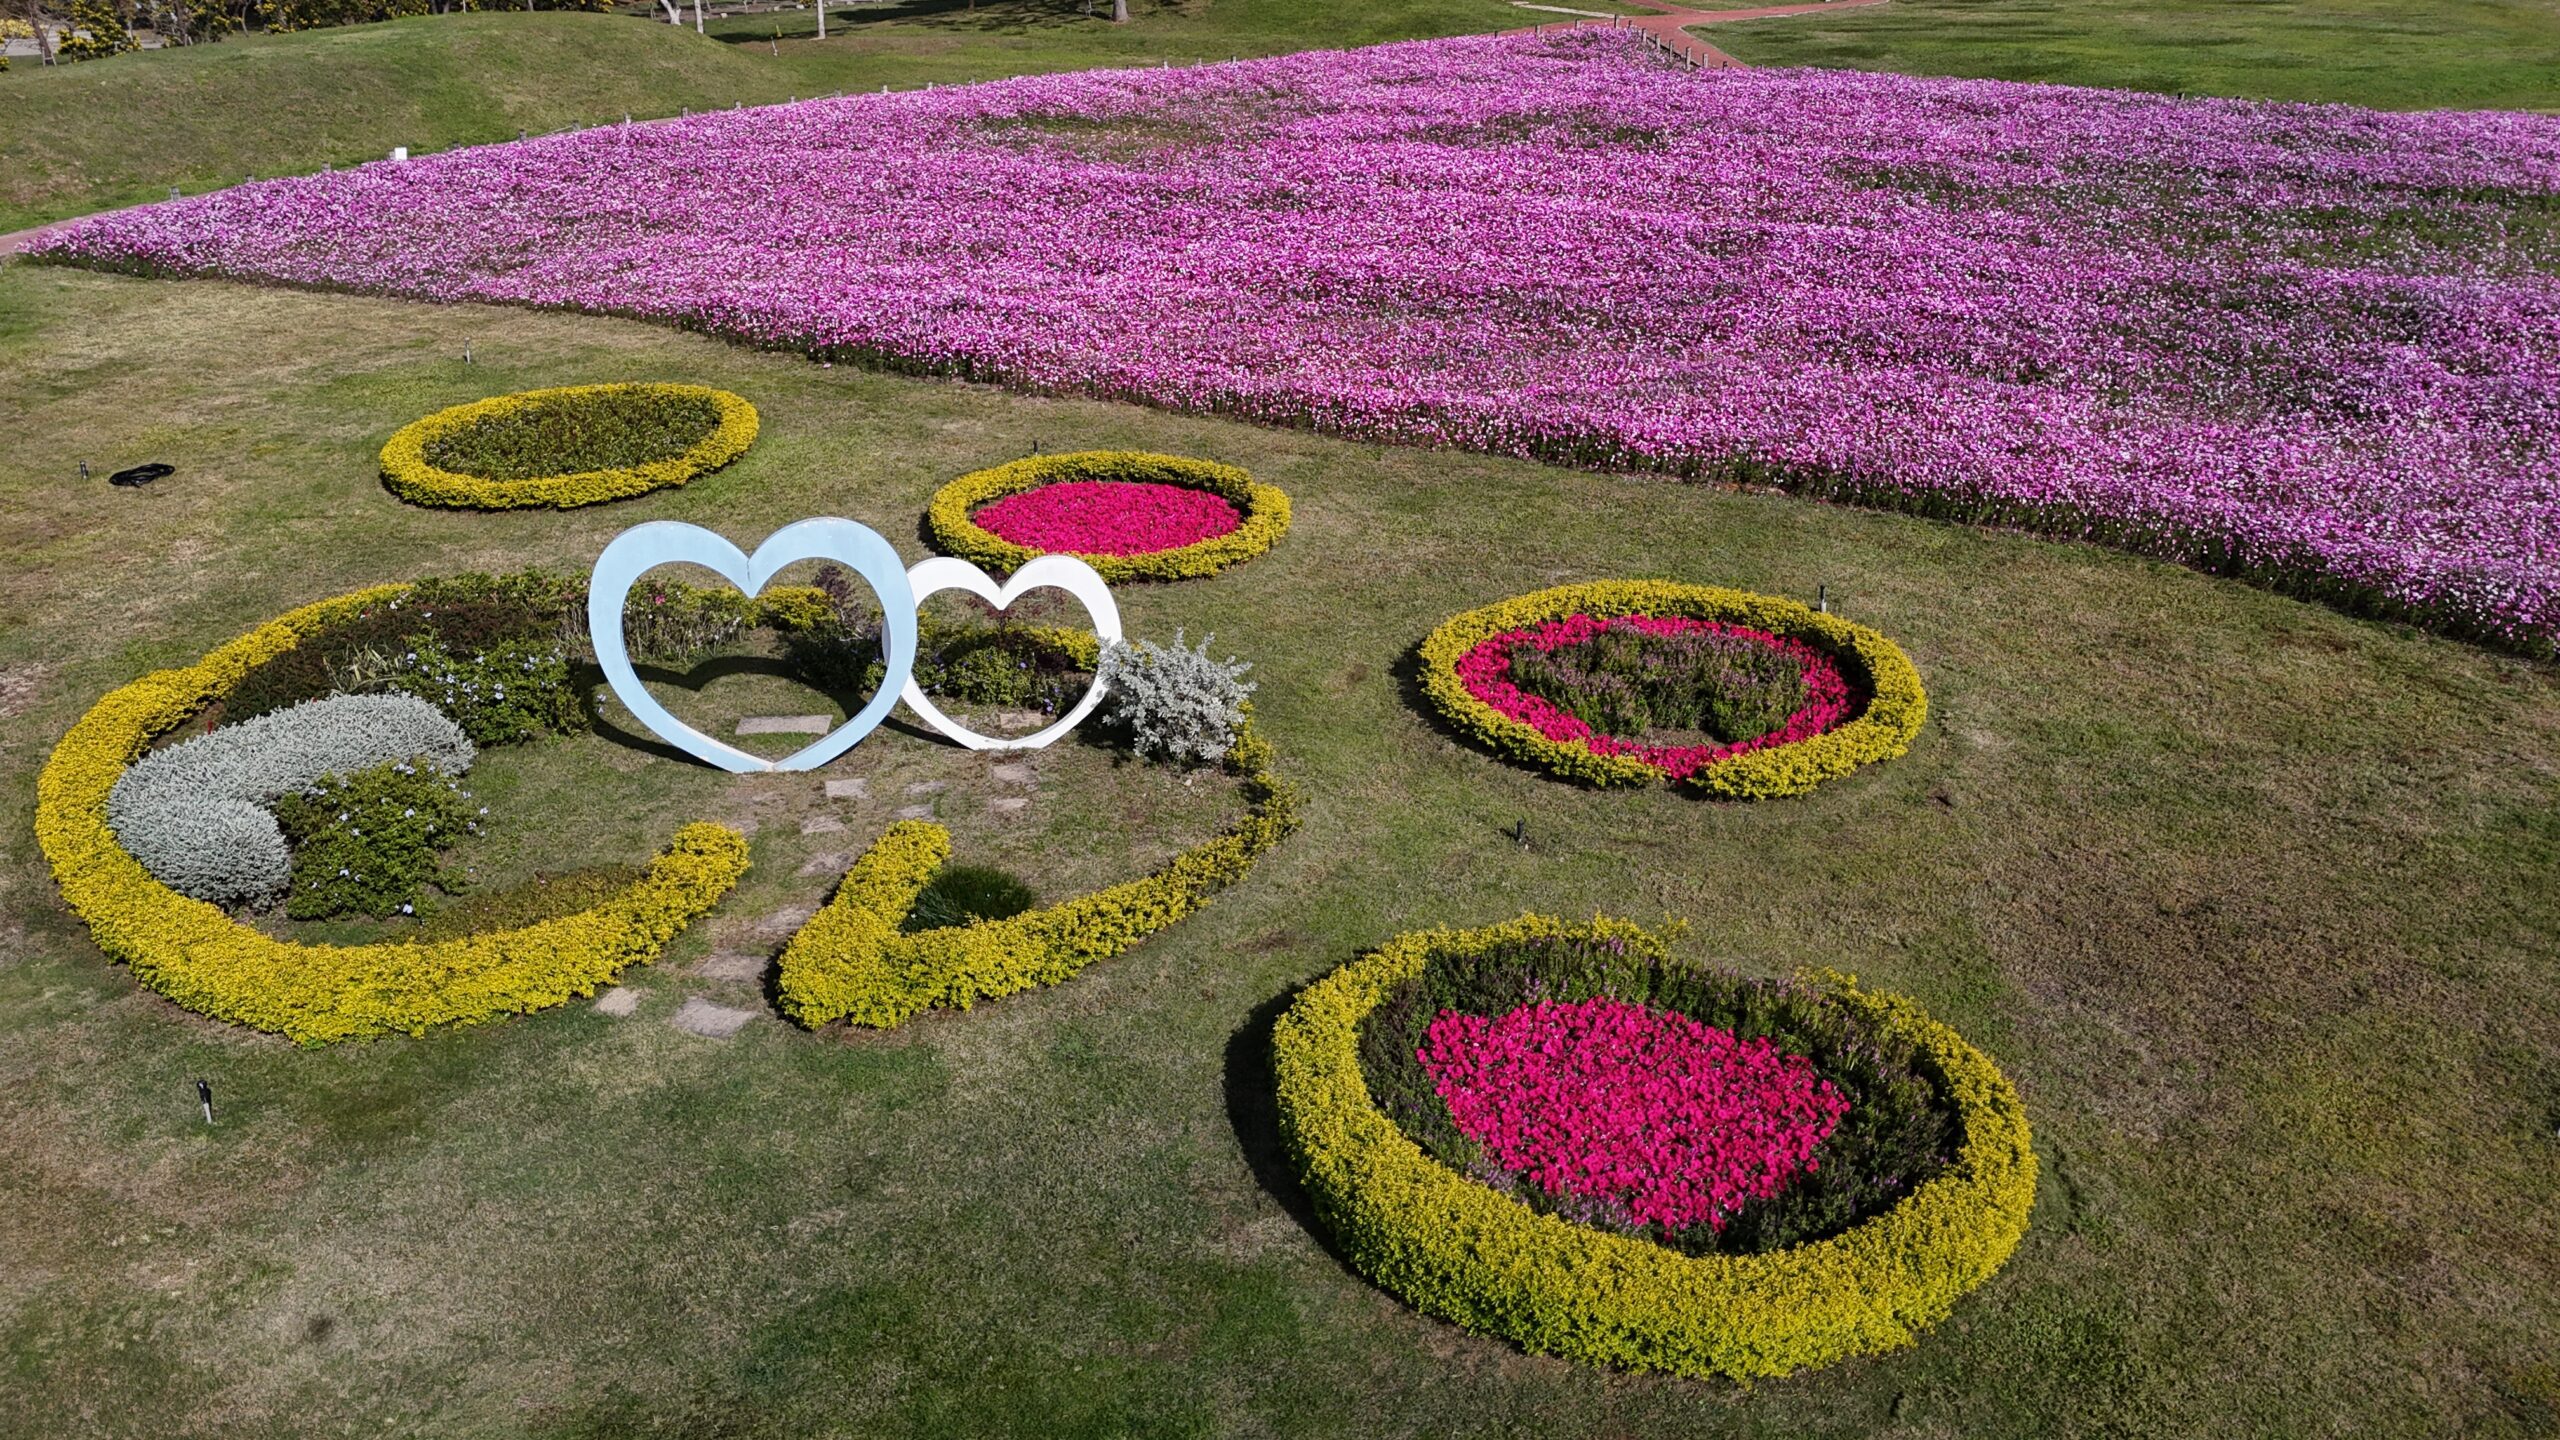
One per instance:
(2318,347)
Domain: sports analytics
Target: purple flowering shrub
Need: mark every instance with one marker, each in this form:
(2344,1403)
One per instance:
(2313,346)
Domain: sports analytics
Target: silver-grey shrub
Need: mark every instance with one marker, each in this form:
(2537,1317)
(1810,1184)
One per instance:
(196,816)
(1172,700)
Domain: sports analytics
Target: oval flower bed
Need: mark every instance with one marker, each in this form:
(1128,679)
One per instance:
(566,447)
(1561,1135)
(199,956)
(1559,677)
(1129,514)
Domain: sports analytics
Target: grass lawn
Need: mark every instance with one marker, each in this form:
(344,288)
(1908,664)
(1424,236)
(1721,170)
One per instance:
(2442,54)
(78,138)
(2252,899)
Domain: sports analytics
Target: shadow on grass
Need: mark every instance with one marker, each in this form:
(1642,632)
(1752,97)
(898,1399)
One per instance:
(1253,1111)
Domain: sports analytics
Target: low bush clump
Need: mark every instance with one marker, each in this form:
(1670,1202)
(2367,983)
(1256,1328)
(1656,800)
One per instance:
(369,649)
(576,445)
(204,960)
(1765,1301)
(856,961)
(1862,700)
(370,842)
(1173,701)
(1129,514)
(1635,675)
(1003,664)
(196,814)
(510,693)
(967,895)
(544,897)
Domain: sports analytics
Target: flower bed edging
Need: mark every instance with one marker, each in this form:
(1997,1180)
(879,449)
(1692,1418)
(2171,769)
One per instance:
(1491,1264)
(850,961)
(1884,730)
(208,962)
(1264,510)
(411,476)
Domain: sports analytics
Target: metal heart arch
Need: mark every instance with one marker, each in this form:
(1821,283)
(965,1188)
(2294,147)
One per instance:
(1048,572)
(643,548)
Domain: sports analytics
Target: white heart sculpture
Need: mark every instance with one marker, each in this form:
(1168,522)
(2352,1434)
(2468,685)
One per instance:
(1048,572)
(643,548)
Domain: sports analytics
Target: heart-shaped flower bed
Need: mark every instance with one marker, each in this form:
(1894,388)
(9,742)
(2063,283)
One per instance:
(1675,1122)
(1109,517)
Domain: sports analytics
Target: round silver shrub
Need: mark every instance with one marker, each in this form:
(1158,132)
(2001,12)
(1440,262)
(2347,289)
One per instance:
(195,814)
(1173,701)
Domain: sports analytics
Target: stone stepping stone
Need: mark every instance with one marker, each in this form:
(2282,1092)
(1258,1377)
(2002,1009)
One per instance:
(928,787)
(826,862)
(854,789)
(1008,804)
(915,812)
(785,725)
(822,825)
(700,1017)
(735,965)
(617,1001)
(785,922)
(1018,772)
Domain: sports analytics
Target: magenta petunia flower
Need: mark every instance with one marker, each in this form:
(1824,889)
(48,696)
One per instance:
(1676,1122)
(1108,517)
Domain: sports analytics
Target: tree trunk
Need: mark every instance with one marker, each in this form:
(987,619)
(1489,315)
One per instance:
(1119,12)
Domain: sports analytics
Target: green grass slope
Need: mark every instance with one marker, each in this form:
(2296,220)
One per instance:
(2441,54)
(78,138)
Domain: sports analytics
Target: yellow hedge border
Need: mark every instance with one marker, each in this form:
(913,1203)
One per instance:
(409,474)
(1883,731)
(1492,1264)
(850,962)
(1264,508)
(204,960)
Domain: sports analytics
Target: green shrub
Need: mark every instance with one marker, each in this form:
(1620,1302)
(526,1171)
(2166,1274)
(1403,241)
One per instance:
(544,897)
(1628,682)
(965,895)
(559,434)
(464,613)
(370,843)
(510,693)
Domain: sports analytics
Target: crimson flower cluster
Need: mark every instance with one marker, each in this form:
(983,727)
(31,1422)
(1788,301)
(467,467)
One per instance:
(1677,1122)
(1108,517)
(1485,670)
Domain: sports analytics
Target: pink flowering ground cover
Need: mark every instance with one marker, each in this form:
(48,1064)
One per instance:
(1675,1121)
(1108,517)
(1830,700)
(2315,346)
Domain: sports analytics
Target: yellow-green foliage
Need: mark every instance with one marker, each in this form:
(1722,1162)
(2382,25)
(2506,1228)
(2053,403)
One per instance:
(850,962)
(406,469)
(203,959)
(1882,732)
(1490,1263)
(1265,511)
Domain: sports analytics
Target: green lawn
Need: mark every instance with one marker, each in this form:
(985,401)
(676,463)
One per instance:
(2254,901)
(2396,54)
(78,138)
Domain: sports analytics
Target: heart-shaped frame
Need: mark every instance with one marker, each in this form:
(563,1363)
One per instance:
(1049,572)
(643,548)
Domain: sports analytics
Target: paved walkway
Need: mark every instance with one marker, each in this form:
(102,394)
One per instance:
(1670,26)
